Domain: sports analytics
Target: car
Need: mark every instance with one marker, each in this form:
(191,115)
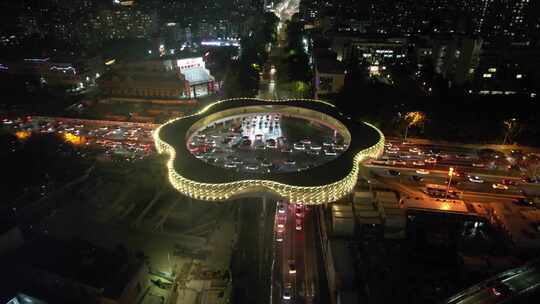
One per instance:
(419,163)
(327,144)
(422,171)
(330,152)
(299,146)
(475,179)
(305,141)
(229,165)
(499,186)
(236,160)
(315,147)
(266,163)
(279,236)
(298,210)
(417,178)
(298,224)
(313,152)
(530,180)
(431,160)
(523,201)
(252,167)
(292,267)
(392,152)
(478,165)
(280,226)
(508,182)
(414,150)
(339,147)
(271,144)
(394,173)
(281,207)
(287,293)
(500,289)
(290,162)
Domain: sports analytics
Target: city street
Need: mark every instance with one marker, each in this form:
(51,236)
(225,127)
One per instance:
(295,267)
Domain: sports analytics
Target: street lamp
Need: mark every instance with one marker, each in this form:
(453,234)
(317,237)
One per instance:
(450,174)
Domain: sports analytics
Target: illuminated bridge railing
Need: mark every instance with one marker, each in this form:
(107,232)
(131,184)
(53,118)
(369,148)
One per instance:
(312,195)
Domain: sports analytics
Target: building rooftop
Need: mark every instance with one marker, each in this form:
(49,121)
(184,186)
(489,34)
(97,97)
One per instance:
(440,205)
(74,260)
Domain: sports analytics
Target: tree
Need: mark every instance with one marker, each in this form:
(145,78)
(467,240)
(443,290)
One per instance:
(412,119)
(512,127)
(241,80)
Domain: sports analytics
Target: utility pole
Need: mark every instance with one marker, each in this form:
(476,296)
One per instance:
(450,174)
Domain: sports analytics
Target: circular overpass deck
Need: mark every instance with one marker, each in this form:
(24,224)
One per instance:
(319,184)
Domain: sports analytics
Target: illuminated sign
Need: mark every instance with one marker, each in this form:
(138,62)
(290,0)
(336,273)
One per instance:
(190,63)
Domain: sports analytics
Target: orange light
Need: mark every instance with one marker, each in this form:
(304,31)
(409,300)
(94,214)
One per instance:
(74,139)
(22,135)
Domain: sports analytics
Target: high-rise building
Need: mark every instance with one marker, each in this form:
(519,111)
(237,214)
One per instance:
(501,18)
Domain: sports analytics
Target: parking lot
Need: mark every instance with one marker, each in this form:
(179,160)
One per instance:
(266,143)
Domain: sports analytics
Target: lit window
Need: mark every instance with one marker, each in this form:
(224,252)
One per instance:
(487,75)
(492,70)
(519,76)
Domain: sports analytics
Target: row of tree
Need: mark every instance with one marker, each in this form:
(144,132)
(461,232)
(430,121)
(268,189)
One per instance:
(242,76)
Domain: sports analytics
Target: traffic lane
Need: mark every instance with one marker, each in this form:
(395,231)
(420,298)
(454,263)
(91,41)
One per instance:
(287,279)
(310,263)
(299,261)
(474,191)
(410,170)
(418,161)
(277,282)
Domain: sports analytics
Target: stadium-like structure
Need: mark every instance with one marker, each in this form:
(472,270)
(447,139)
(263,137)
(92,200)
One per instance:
(320,184)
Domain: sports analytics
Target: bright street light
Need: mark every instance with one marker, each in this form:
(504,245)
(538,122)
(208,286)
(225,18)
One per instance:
(450,174)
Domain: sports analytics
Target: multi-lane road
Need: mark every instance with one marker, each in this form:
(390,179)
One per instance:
(295,268)
(477,177)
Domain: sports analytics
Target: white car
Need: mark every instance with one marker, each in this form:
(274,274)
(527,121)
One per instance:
(499,186)
(299,146)
(422,171)
(281,207)
(431,160)
(329,152)
(252,167)
(339,147)
(292,267)
(287,293)
(229,165)
(475,179)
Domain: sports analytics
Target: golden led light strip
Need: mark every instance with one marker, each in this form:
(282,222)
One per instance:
(313,195)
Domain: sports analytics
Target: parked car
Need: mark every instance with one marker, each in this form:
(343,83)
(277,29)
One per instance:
(394,173)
